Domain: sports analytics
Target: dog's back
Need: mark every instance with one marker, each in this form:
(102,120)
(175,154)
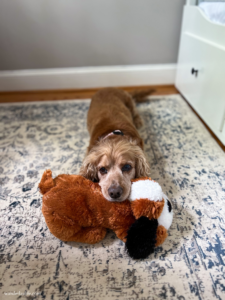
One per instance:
(113,109)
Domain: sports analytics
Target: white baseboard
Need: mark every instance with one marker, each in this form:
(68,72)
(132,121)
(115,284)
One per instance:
(87,77)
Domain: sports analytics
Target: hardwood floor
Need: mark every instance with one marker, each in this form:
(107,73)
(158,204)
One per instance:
(75,94)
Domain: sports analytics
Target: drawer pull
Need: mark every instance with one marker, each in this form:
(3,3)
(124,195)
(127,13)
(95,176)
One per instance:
(193,71)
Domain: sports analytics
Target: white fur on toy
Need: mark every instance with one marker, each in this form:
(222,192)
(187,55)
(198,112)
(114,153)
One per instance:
(151,190)
(166,217)
(146,189)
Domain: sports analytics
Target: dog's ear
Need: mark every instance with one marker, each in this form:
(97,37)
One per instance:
(89,168)
(142,168)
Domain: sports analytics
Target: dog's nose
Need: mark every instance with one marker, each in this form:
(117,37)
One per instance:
(115,192)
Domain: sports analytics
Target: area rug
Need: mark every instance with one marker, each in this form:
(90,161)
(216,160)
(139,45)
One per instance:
(184,159)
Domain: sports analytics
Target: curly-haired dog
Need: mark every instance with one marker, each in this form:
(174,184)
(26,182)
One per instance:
(115,154)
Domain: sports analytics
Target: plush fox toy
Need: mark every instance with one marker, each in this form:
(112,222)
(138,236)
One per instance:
(75,210)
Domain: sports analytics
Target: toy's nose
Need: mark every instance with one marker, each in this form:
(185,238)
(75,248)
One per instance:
(115,192)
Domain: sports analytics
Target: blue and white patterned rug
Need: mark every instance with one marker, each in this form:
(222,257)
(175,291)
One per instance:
(184,159)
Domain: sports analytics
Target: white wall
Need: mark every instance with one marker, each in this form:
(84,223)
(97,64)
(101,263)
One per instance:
(37,34)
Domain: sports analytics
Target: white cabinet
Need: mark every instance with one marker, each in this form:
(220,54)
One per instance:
(201,68)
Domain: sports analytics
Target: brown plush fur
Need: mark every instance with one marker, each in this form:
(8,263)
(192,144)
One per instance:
(146,208)
(161,235)
(113,109)
(75,210)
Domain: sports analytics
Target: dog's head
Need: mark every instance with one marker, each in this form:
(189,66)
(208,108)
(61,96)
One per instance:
(113,162)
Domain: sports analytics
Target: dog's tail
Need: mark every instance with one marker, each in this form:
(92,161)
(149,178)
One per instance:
(141,95)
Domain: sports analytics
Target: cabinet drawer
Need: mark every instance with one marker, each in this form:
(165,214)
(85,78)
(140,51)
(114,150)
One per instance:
(201,78)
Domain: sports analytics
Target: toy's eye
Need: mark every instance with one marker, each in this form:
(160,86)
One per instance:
(103,170)
(126,168)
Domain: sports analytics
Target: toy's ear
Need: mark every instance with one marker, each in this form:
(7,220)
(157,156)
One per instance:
(46,182)
(89,168)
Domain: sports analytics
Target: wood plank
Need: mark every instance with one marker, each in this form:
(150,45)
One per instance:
(76,94)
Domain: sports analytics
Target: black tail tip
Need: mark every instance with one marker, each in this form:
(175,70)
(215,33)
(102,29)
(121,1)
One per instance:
(141,238)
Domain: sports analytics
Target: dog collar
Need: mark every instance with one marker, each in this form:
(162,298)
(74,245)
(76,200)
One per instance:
(116,132)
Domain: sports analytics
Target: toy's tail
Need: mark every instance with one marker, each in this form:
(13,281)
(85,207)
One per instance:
(46,182)
(141,238)
(141,95)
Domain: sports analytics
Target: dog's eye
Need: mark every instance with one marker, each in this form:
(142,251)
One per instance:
(126,168)
(103,170)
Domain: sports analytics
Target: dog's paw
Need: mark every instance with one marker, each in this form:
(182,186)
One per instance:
(141,238)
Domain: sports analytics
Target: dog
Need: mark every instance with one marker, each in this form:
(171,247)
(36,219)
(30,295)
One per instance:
(115,154)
